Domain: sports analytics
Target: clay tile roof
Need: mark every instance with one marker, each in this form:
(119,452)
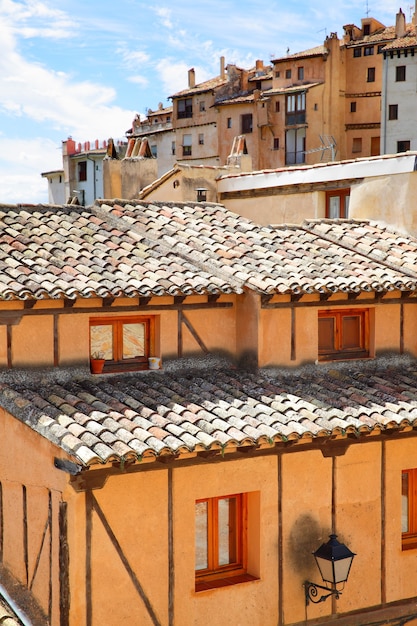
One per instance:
(208,85)
(408,41)
(132,249)
(210,406)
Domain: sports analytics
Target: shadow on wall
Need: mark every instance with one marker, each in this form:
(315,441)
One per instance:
(305,537)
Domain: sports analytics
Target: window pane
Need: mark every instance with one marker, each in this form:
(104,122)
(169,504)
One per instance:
(133,340)
(351,332)
(326,334)
(227,531)
(404,503)
(101,338)
(334,207)
(201,542)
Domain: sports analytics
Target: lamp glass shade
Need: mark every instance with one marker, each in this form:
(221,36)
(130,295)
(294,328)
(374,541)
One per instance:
(334,560)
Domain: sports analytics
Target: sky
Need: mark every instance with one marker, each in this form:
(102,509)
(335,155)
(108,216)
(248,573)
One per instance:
(85,68)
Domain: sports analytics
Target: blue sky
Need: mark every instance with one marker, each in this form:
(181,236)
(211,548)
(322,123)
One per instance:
(84,68)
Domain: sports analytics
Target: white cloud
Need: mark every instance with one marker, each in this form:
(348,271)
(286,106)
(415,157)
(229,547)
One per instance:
(21,164)
(165,16)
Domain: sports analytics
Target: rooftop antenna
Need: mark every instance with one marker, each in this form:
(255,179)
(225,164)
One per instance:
(328,142)
(367,8)
(325,32)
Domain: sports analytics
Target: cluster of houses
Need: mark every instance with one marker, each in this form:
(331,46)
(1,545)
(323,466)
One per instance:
(254,413)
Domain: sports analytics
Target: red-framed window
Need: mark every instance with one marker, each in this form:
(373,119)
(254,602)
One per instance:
(409,509)
(220,540)
(125,343)
(337,203)
(343,334)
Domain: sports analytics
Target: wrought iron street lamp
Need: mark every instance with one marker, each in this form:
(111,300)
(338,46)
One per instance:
(334,560)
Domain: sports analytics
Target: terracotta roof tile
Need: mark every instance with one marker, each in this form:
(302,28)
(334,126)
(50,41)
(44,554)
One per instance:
(191,410)
(167,249)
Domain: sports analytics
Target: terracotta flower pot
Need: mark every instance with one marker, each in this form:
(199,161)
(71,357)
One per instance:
(97,365)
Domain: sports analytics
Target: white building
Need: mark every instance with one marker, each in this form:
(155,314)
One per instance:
(399,90)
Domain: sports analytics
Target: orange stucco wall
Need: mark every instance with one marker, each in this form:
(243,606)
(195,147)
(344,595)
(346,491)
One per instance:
(142,528)
(29,482)
(294,502)
(245,330)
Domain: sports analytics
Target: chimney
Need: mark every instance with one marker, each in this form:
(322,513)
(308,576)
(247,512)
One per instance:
(259,65)
(191,78)
(414,19)
(400,29)
(222,72)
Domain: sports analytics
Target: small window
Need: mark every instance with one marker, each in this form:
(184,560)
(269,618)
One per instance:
(409,509)
(393,112)
(337,203)
(300,73)
(202,106)
(173,147)
(201,139)
(366,29)
(353,107)
(126,343)
(316,106)
(277,106)
(186,145)
(82,171)
(287,73)
(229,122)
(368,51)
(403,146)
(343,334)
(357,52)
(357,145)
(400,73)
(246,123)
(277,74)
(276,143)
(154,150)
(381,48)
(220,541)
(371,75)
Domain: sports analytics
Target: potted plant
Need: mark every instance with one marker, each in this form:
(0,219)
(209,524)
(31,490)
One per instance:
(97,361)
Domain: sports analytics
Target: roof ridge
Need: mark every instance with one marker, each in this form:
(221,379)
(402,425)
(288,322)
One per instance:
(133,230)
(355,249)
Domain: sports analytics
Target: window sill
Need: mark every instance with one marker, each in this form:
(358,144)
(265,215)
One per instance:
(205,585)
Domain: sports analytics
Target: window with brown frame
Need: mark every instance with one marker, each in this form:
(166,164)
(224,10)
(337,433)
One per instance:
(337,203)
(126,343)
(343,334)
(409,509)
(221,541)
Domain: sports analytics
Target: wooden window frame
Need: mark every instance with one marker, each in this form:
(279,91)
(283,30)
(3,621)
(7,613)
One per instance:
(215,574)
(409,537)
(118,364)
(362,351)
(344,195)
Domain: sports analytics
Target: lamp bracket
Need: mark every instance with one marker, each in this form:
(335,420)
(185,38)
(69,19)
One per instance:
(312,592)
